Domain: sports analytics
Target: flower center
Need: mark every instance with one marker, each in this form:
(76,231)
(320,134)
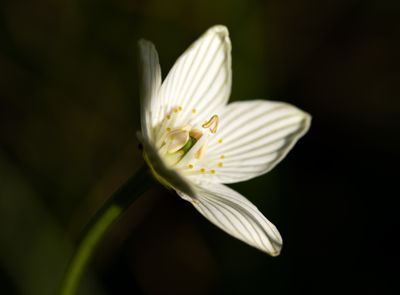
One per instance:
(187,143)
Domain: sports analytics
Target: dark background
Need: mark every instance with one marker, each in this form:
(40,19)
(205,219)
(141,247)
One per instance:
(69,113)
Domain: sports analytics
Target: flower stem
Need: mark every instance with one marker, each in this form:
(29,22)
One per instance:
(99,225)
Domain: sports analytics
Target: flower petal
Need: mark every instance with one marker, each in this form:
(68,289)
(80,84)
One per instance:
(237,216)
(253,137)
(200,80)
(150,73)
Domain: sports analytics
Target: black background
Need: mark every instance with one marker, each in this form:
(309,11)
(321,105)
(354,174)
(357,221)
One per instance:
(69,111)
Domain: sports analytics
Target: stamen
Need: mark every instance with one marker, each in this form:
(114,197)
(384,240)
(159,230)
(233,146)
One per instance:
(200,152)
(212,124)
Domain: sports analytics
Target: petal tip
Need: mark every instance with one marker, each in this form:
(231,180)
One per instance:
(222,31)
(276,246)
(307,116)
(275,253)
(307,121)
(144,44)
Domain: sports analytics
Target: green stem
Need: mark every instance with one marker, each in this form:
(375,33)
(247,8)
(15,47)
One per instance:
(99,225)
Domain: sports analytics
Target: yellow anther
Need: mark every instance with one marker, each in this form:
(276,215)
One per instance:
(212,124)
(168,117)
(212,171)
(168,129)
(190,166)
(220,141)
(179,108)
(175,110)
(194,111)
(202,170)
(220,164)
(222,157)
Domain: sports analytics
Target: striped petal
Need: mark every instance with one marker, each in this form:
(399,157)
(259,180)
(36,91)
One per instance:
(253,137)
(237,216)
(200,81)
(150,73)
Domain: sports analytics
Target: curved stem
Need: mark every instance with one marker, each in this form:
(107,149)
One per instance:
(99,225)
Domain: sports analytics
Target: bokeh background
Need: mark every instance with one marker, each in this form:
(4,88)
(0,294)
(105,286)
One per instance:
(69,113)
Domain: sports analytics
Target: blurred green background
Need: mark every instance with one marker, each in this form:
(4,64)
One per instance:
(69,113)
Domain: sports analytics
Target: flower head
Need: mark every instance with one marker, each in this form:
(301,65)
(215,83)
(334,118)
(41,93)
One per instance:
(195,142)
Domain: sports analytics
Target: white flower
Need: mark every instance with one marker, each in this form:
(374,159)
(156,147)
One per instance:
(194,141)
